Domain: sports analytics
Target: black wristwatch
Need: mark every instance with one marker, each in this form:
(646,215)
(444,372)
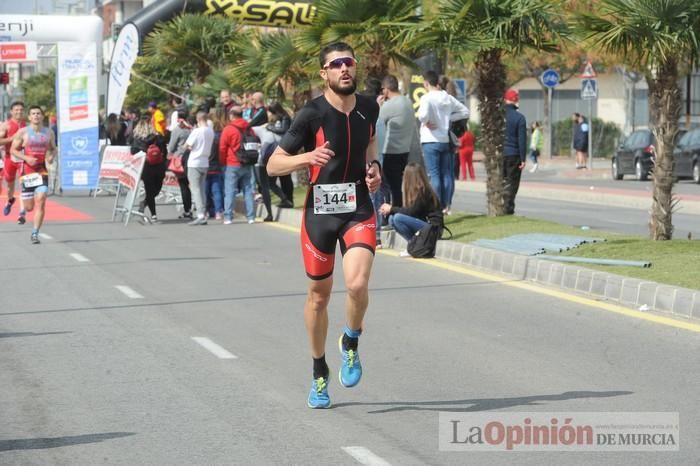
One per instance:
(379,165)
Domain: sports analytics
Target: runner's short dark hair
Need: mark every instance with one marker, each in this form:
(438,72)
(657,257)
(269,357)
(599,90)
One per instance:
(16,103)
(334,47)
(32,107)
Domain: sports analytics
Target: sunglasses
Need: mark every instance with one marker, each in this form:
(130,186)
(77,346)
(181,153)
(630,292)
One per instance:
(337,63)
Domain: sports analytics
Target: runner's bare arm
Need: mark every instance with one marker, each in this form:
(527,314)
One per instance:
(374,176)
(51,153)
(18,144)
(3,132)
(283,163)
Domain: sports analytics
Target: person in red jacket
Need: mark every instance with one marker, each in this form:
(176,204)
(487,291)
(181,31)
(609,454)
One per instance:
(237,177)
(466,154)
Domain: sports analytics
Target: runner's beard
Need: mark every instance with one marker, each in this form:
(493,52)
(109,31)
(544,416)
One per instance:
(343,90)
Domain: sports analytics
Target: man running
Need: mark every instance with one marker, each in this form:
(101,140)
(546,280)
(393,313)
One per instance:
(35,147)
(7,134)
(337,131)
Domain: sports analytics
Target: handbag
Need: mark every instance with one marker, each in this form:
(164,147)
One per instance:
(424,243)
(175,165)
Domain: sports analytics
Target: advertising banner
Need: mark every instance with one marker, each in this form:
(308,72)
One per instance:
(125,52)
(18,52)
(78,137)
(130,174)
(114,159)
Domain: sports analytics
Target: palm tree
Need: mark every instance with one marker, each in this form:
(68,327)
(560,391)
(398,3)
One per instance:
(658,37)
(270,61)
(193,42)
(489,31)
(372,27)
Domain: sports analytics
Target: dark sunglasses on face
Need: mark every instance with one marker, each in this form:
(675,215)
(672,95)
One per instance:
(337,63)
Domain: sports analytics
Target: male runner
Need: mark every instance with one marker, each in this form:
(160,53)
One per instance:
(8,130)
(35,147)
(337,131)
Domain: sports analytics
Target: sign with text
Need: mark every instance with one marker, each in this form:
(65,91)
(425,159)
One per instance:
(18,52)
(114,159)
(77,104)
(130,174)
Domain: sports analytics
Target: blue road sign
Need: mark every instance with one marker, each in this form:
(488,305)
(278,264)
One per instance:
(589,89)
(550,78)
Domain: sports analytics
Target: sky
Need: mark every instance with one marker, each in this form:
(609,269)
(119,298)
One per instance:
(43,6)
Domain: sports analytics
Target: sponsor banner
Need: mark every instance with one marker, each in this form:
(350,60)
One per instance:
(547,431)
(416,91)
(18,52)
(264,12)
(76,90)
(50,28)
(130,174)
(123,57)
(114,158)
(79,158)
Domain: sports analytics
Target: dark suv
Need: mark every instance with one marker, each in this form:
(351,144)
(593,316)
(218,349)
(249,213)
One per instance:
(686,156)
(635,156)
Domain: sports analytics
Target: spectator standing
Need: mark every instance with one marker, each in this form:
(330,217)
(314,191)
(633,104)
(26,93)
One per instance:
(199,144)
(115,130)
(157,118)
(536,145)
(581,141)
(215,178)
(225,101)
(514,150)
(132,117)
(258,116)
(280,123)
(466,154)
(437,109)
(153,174)
(399,121)
(237,177)
(176,150)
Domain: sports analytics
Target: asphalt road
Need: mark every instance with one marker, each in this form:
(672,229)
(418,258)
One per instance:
(95,374)
(595,217)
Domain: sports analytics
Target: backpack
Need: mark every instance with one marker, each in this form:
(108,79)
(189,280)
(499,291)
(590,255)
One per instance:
(153,155)
(249,151)
(424,242)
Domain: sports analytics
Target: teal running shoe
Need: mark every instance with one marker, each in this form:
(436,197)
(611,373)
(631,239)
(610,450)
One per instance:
(350,368)
(318,397)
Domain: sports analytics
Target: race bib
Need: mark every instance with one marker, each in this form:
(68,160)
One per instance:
(334,198)
(32,180)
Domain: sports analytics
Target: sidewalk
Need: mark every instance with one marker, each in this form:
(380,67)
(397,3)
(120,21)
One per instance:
(629,198)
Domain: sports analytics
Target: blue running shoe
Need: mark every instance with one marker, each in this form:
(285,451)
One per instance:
(8,206)
(350,368)
(318,397)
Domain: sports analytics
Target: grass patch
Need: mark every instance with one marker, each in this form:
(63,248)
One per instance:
(674,262)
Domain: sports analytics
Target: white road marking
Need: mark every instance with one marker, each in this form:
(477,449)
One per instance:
(45,236)
(364,456)
(128,292)
(212,347)
(79,257)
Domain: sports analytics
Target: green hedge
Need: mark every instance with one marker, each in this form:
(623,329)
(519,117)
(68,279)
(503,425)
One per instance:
(606,136)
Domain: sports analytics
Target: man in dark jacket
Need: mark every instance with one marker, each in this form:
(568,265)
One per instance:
(580,140)
(514,150)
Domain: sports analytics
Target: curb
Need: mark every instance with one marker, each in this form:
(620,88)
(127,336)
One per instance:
(630,292)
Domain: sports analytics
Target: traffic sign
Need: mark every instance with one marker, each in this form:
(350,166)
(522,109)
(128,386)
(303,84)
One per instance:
(589,89)
(588,71)
(550,78)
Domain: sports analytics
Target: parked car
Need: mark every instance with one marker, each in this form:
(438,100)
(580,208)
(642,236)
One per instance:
(635,156)
(686,156)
